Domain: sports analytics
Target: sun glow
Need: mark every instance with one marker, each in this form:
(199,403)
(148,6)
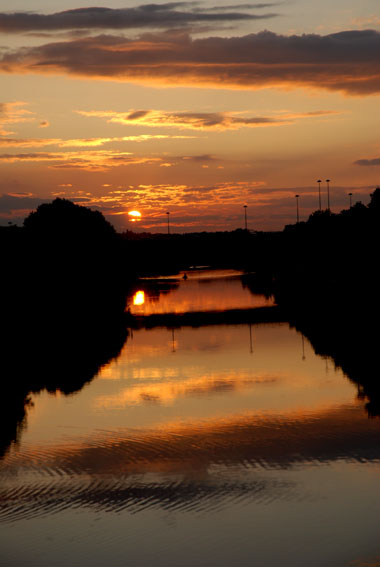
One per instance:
(139,298)
(134,216)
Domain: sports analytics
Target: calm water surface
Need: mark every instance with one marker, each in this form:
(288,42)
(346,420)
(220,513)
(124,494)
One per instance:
(214,446)
(203,290)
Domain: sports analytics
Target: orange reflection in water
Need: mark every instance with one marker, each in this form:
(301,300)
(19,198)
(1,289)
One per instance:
(168,391)
(200,294)
(322,435)
(139,298)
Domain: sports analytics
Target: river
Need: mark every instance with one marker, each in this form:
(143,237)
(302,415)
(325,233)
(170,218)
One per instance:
(208,446)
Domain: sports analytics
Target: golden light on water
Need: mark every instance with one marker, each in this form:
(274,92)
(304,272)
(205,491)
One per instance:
(134,215)
(139,298)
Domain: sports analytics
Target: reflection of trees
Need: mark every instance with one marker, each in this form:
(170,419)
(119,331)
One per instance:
(259,283)
(353,349)
(327,281)
(52,356)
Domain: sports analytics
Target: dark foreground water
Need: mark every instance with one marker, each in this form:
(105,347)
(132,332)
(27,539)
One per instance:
(214,446)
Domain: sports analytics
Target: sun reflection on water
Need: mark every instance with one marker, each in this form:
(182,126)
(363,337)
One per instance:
(139,298)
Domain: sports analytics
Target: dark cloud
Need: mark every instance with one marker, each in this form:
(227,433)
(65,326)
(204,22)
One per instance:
(177,14)
(374,161)
(30,157)
(347,61)
(200,120)
(238,7)
(137,114)
(197,120)
(200,158)
(12,202)
(89,160)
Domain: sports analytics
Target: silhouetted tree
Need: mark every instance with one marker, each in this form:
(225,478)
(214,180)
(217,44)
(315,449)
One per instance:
(74,258)
(64,219)
(374,204)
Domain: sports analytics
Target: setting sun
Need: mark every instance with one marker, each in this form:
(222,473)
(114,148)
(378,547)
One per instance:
(134,216)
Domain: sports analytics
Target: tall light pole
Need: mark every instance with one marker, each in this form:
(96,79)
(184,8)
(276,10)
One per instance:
(350,195)
(328,194)
(319,193)
(168,222)
(298,212)
(245,216)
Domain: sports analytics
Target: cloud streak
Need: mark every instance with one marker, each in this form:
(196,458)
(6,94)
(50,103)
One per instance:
(368,162)
(200,120)
(81,142)
(156,16)
(348,62)
(85,160)
(13,113)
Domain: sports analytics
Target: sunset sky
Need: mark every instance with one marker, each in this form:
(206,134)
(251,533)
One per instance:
(196,108)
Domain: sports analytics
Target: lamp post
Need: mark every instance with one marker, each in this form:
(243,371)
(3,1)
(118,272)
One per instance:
(245,216)
(298,212)
(319,193)
(168,222)
(350,195)
(328,194)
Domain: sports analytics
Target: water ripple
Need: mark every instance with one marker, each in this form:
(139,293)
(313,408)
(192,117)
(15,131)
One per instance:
(194,468)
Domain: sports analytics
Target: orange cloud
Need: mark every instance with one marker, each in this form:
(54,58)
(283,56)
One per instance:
(13,113)
(80,142)
(183,197)
(367,22)
(200,120)
(348,61)
(89,161)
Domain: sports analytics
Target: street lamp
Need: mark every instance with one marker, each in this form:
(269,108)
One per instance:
(319,193)
(350,195)
(245,216)
(168,222)
(298,212)
(328,194)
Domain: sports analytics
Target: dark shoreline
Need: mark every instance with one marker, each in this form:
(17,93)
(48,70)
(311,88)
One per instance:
(255,315)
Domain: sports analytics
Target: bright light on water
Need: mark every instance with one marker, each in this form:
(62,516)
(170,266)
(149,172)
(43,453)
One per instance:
(139,298)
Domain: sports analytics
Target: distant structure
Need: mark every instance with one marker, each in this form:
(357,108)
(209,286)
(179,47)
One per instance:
(350,196)
(328,193)
(319,181)
(298,212)
(245,216)
(168,213)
